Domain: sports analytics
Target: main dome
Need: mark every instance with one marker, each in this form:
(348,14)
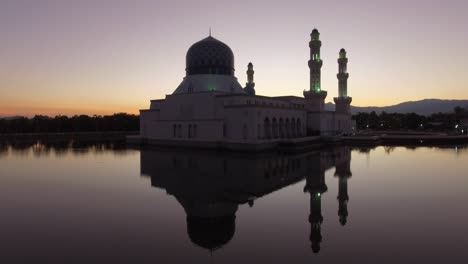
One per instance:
(209,56)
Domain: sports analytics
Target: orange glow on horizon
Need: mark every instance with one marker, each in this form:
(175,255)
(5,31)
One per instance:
(66,110)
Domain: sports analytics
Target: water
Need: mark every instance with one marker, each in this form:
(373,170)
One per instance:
(103,203)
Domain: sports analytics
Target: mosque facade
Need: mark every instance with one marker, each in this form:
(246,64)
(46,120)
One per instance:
(211,107)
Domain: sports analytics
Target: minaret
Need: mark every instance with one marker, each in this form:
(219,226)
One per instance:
(315,96)
(250,85)
(315,63)
(315,185)
(343,101)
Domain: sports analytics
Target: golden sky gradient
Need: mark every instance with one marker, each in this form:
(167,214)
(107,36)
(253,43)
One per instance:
(103,57)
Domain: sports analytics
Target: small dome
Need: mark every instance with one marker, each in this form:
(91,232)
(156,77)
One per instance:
(210,56)
(342,50)
(315,31)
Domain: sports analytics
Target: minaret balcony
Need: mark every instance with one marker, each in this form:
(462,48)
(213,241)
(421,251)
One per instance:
(342,76)
(343,60)
(315,63)
(343,100)
(315,94)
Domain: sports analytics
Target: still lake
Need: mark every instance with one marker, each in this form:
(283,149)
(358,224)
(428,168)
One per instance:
(104,203)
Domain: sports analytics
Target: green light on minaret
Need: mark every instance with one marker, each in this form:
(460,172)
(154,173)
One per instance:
(211,87)
(317,196)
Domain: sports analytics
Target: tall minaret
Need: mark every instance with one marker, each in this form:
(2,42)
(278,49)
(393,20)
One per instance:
(315,63)
(343,101)
(342,74)
(250,85)
(315,95)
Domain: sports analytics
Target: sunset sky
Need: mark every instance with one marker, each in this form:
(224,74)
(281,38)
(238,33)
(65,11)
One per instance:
(101,57)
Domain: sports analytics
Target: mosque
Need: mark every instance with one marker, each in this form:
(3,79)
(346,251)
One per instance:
(211,109)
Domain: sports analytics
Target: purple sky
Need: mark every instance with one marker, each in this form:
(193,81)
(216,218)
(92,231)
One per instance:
(100,57)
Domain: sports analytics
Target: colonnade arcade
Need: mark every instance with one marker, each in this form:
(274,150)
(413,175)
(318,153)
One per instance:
(280,128)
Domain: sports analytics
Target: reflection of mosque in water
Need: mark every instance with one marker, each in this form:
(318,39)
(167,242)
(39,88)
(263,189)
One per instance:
(210,187)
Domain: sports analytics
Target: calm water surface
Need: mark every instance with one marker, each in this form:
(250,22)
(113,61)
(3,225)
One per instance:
(102,204)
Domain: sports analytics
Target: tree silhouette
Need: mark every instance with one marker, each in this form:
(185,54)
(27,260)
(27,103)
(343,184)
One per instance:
(77,123)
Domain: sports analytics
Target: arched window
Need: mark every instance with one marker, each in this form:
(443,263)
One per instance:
(299,128)
(244,132)
(274,128)
(288,131)
(266,128)
(174,130)
(293,127)
(189,130)
(281,128)
(195,128)
(179,133)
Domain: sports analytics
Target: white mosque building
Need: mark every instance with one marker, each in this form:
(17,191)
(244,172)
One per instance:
(211,108)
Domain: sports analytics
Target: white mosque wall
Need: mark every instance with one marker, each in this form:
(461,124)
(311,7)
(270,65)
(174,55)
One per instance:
(343,123)
(217,117)
(328,123)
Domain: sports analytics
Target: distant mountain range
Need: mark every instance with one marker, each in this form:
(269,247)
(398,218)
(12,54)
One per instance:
(421,107)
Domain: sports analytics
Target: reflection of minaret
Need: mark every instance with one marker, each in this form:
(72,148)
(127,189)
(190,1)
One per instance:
(343,172)
(315,185)
(250,85)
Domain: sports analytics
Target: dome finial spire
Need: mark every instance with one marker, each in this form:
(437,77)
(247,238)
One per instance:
(210,31)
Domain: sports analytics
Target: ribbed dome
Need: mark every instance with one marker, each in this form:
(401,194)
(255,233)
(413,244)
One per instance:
(210,56)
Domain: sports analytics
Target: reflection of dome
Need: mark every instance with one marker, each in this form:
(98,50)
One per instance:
(210,56)
(211,233)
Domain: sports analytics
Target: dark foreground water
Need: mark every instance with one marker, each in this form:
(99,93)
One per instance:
(107,204)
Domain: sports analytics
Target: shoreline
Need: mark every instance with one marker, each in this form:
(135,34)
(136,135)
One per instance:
(306,143)
(67,136)
(132,140)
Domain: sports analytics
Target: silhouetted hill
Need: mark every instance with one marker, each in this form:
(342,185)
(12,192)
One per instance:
(10,117)
(422,107)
